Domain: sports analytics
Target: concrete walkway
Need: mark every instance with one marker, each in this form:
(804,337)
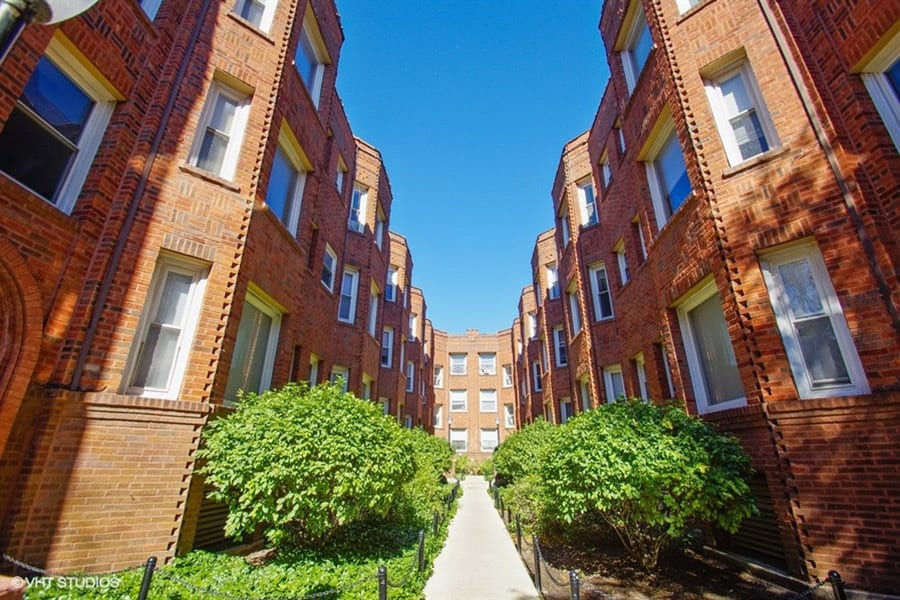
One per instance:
(479,560)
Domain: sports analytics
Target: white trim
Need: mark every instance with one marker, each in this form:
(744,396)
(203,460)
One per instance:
(265,19)
(593,270)
(883,94)
(439,376)
(268,361)
(507,376)
(701,394)
(459,439)
(490,438)
(489,395)
(288,146)
(609,372)
(344,374)
(559,346)
(387,343)
(360,193)
(634,26)
(583,186)
(459,395)
(831,308)
(354,292)
(329,254)
(622,261)
(373,309)
(537,385)
(575,320)
(235,135)
(311,34)
(641,370)
(438,420)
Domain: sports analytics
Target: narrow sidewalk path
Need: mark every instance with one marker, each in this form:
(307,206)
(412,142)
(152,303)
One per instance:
(479,560)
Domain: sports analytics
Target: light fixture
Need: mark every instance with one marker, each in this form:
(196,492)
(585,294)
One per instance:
(16,14)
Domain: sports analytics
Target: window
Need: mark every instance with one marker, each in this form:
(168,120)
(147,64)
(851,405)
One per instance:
(413,327)
(552,281)
(621,137)
(667,175)
(366,387)
(881,76)
(458,400)
(564,224)
(151,7)
(565,410)
(329,263)
(622,261)
(602,296)
(390,290)
(53,132)
(167,328)
(342,374)
(438,376)
(286,181)
(310,58)
(507,376)
(373,310)
(587,203)
(605,171)
(379,228)
(536,376)
(357,220)
(387,346)
(636,45)
(487,363)
(385,405)
(574,310)
(340,175)
(489,439)
(639,232)
(349,289)
(536,286)
(410,376)
(459,439)
(816,338)
(710,355)
(614,382)
(559,345)
(256,12)
(667,372)
(584,390)
(222,123)
(641,372)
(488,400)
(457,364)
(438,416)
(740,112)
(509,416)
(313,370)
(532,325)
(254,350)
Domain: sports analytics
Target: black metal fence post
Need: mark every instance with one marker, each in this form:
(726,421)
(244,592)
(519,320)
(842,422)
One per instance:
(537,562)
(382,583)
(508,515)
(518,533)
(421,551)
(434,524)
(148,576)
(837,585)
(574,586)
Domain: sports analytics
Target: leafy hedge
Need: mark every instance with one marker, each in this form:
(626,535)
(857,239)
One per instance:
(522,453)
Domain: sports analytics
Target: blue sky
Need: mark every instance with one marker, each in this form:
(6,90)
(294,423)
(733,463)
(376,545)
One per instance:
(470,104)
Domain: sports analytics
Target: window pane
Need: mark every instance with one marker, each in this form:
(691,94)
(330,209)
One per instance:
(800,287)
(716,355)
(32,155)
(641,48)
(893,76)
(57,100)
(215,140)
(748,134)
(251,11)
(249,352)
(174,299)
(673,174)
(282,183)
(821,352)
(306,61)
(157,357)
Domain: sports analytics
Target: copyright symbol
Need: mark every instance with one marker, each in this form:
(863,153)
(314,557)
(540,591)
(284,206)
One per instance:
(17,583)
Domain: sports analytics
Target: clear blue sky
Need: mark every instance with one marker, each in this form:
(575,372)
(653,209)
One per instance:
(470,104)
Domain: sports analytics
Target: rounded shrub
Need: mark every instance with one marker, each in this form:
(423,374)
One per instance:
(521,453)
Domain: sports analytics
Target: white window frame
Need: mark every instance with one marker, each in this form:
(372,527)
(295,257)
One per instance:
(559,346)
(487,363)
(342,372)
(356,221)
(641,371)
(410,376)
(605,172)
(329,265)
(633,26)
(413,327)
(884,96)
(509,415)
(69,186)
(353,274)
(610,374)
(198,272)
(151,8)
(622,262)
(661,204)
(340,175)
(717,102)
(310,34)
(507,376)
(265,18)
(667,370)
(390,290)
(459,439)
(532,325)
(387,347)
(366,387)
(584,392)
(261,304)
(373,309)
(454,363)
(591,217)
(296,158)
(490,438)
(537,385)
(313,377)
(439,376)
(831,308)
(575,321)
(686,5)
(487,400)
(235,135)
(455,397)
(553,290)
(565,410)
(565,232)
(438,421)
(594,271)
(701,394)
(640,231)
(379,227)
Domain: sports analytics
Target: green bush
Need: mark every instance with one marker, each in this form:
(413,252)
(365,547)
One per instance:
(300,463)
(525,498)
(521,453)
(486,469)
(651,473)
(427,490)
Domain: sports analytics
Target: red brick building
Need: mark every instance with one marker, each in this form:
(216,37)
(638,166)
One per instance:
(726,235)
(184,213)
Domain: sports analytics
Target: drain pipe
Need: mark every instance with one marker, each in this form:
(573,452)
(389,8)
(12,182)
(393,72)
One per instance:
(815,122)
(119,248)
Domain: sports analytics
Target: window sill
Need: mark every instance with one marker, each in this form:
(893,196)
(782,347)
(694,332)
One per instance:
(250,26)
(210,177)
(754,162)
